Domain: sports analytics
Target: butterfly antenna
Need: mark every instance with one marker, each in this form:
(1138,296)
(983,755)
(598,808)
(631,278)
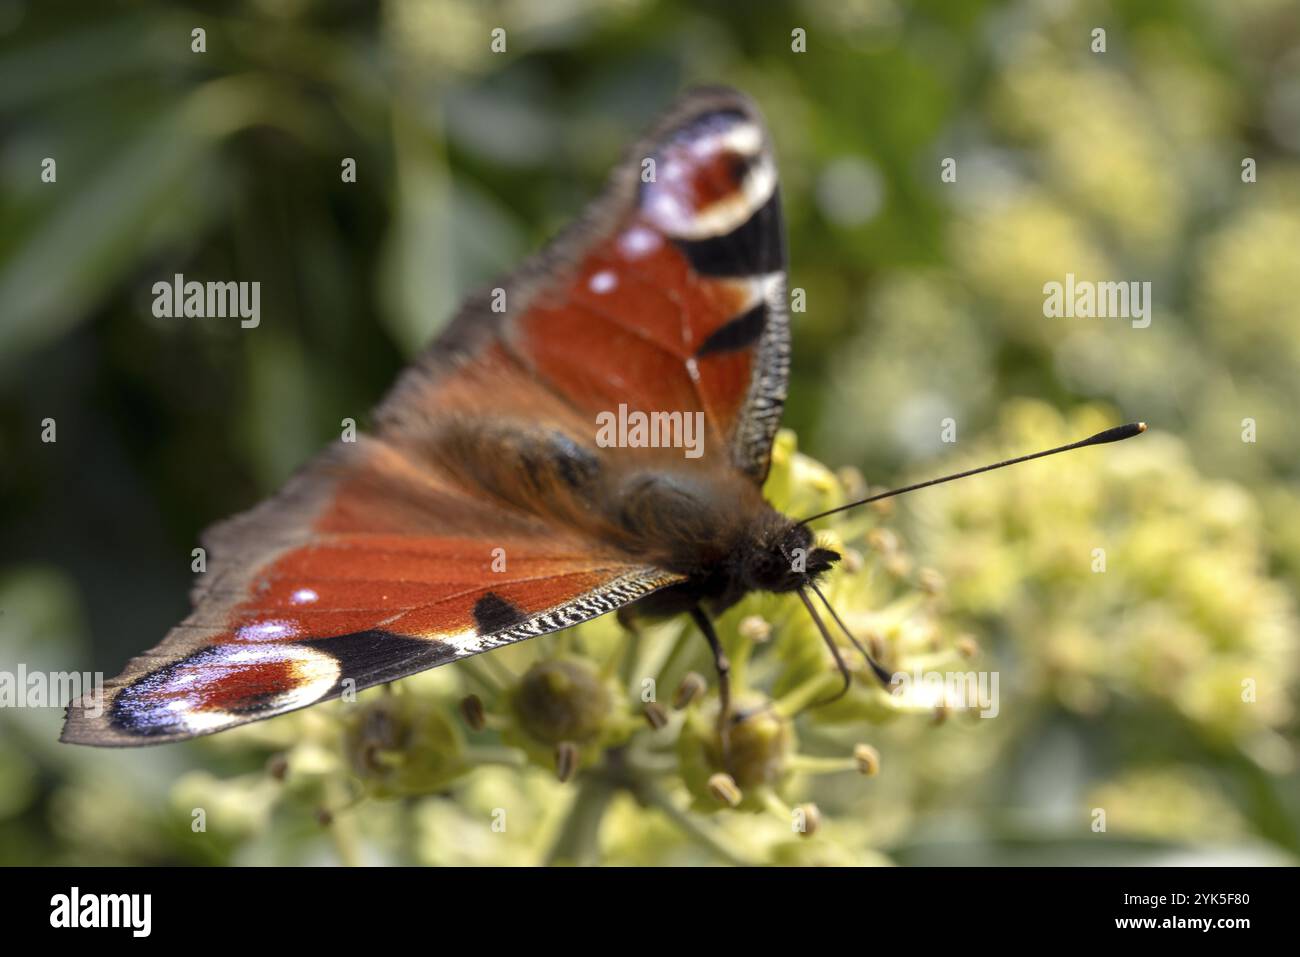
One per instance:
(883,676)
(835,651)
(1116,434)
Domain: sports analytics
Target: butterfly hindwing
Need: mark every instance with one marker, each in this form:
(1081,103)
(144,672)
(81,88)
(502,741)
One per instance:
(469,519)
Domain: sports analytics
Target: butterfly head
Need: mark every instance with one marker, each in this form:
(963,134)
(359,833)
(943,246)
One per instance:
(787,560)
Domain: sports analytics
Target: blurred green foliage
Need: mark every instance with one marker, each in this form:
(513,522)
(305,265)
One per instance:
(1121,690)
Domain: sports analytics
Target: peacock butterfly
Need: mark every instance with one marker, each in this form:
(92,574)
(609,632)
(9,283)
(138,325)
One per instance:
(663,306)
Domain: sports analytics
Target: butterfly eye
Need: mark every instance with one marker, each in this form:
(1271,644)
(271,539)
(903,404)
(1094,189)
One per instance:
(778,570)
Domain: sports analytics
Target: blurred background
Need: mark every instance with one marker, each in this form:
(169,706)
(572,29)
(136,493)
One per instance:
(1160,690)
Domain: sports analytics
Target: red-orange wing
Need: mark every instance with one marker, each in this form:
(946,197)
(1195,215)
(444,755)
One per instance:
(378,560)
(668,295)
(365,568)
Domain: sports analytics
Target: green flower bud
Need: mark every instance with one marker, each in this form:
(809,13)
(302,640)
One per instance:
(564,701)
(760,745)
(561,700)
(402,745)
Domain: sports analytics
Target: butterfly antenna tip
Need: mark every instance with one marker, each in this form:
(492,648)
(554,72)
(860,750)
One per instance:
(1116,434)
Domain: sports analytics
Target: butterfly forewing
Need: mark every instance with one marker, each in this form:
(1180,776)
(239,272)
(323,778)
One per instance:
(667,295)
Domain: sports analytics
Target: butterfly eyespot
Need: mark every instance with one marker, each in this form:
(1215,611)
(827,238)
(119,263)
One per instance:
(223,685)
(716,194)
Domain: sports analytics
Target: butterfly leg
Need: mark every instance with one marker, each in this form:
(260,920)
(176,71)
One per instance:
(723,666)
